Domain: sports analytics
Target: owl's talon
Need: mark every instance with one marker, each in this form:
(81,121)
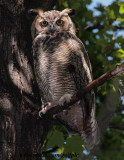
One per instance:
(40,113)
(43,111)
(65,99)
(46,107)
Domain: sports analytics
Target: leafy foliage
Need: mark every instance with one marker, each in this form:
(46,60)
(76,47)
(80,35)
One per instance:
(104,41)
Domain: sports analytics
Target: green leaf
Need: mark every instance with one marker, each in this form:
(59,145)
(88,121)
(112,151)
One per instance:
(120,54)
(73,145)
(113,10)
(120,19)
(54,138)
(60,150)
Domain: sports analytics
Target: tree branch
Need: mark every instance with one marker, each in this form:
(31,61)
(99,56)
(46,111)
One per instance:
(54,108)
(115,126)
(99,26)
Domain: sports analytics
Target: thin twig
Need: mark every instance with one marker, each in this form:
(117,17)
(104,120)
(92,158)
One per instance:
(99,26)
(115,126)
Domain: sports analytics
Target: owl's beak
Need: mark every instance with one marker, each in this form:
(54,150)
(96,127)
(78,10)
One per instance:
(52,31)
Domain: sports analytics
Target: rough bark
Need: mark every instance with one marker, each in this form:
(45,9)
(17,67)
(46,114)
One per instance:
(20,133)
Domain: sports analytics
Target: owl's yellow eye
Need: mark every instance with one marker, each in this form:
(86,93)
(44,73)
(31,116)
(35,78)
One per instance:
(44,23)
(59,22)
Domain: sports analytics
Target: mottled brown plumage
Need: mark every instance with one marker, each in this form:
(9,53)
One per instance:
(62,67)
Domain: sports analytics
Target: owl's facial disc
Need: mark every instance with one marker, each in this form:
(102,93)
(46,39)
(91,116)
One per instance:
(52,22)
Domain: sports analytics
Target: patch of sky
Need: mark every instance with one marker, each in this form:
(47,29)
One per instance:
(110,32)
(49,149)
(97,100)
(97,36)
(122,98)
(116,23)
(97,13)
(122,61)
(102,23)
(120,33)
(54,7)
(95,30)
(96,2)
(95,158)
(122,112)
(116,34)
(110,58)
(117,45)
(86,152)
(56,155)
(89,23)
(87,42)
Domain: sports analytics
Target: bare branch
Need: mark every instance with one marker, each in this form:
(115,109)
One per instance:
(53,109)
(115,126)
(99,26)
(95,26)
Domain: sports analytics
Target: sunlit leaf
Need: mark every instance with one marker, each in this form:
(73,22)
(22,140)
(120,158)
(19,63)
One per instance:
(121,7)
(60,150)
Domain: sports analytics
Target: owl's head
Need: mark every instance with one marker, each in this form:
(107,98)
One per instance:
(52,22)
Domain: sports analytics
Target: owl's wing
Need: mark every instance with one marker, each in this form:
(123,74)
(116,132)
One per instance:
(81,74)
(80,69)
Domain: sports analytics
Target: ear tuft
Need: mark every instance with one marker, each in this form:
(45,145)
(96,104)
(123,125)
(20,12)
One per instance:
(35,12)
(69,11)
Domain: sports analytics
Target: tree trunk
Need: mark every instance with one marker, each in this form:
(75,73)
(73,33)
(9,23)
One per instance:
(21,133)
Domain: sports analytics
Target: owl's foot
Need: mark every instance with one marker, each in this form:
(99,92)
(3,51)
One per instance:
(65,99)
(42,111)
(46,108)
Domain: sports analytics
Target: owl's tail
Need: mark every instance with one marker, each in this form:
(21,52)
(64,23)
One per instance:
(91,134)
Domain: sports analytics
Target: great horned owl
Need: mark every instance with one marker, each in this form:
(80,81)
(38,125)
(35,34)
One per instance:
(62,68)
